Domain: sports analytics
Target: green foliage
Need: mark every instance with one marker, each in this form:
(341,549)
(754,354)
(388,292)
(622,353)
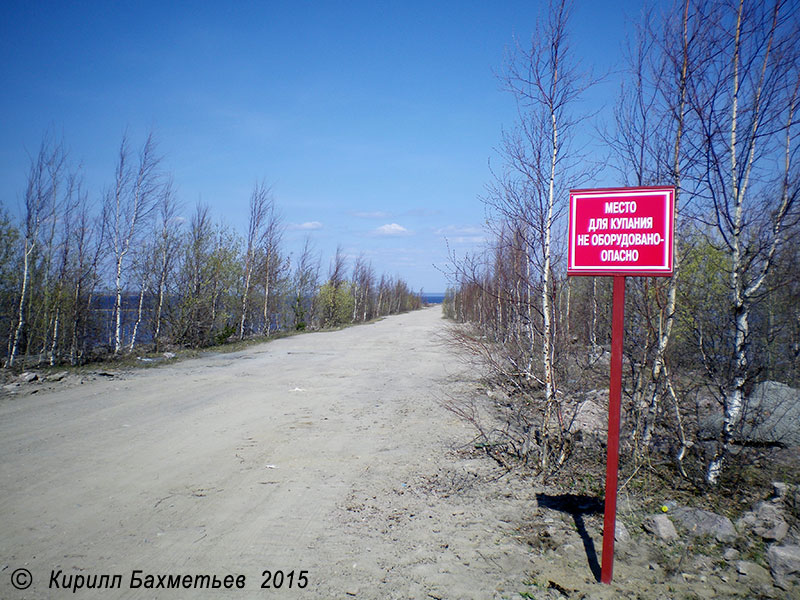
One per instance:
(299,313)
(223,335)
(9,274)
(703,329)
(190,273)
(336,304)
(449,304)
(208,279)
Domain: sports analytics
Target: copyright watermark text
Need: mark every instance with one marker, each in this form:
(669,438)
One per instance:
(22,579)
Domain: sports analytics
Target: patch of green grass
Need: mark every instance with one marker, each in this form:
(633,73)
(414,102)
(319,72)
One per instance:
(754,550)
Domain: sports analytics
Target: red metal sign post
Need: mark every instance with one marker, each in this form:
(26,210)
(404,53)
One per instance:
(619,232)
(612,448)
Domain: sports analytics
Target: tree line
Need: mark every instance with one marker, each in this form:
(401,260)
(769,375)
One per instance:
(708,104)
(83,278)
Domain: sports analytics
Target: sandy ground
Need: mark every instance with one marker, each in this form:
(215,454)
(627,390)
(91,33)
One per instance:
(327,453)
(327,457)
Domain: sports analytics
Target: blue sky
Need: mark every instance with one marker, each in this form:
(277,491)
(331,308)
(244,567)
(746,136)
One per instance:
(374,122)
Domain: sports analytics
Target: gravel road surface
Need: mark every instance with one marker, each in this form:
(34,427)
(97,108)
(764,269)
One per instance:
(326,455)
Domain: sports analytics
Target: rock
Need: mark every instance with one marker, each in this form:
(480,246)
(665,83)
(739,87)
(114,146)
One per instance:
(746,522)
(769,416)
(169,355)
(27,377)
(661,527)
(621,532)
(56,376)
(699,522)
(752,573)
(766,520)
(779,490)
(702,564)
(730,554)
(784,563)
(589,418)
(772,527)
(774,411)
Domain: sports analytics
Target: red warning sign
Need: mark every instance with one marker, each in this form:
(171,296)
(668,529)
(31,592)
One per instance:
(621,231)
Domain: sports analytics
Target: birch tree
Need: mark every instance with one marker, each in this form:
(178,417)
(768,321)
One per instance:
(127,208)
(260,206)
(334,293)
(40,206)
(89,243)
(747,106)
(273,262)
(141,266)
(305,281)
(546,85)
(651,146)
(10,271)
(168,236)
(363,279)
(65,260)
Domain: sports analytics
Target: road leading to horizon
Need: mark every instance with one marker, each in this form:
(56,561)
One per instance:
(327,453)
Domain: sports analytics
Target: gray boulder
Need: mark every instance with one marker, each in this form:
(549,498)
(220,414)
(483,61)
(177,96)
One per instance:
(661,527)
(589,417)
(621,532)
(766,520)
(784,563)
(780,490)
(698,522)
(731,554)
(769,416)
(753,573)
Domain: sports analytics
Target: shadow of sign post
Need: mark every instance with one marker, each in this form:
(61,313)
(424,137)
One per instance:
(577,506)
(619,232)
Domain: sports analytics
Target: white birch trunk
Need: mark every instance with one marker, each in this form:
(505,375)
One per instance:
(734,398)
(118,306)
(160,303)
(247,275)
(138,315)
(267,321)
(56,324)
(21,320)
(547,342)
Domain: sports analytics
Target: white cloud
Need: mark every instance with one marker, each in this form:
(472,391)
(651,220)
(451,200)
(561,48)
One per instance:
(307,226)
(391,229)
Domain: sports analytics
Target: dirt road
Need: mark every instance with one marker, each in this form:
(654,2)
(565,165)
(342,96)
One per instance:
(327,455)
